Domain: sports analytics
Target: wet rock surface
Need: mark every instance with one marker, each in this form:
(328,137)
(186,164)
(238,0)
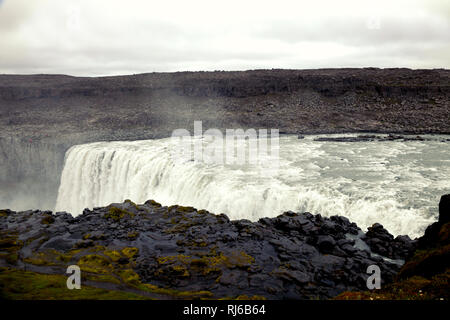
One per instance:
(426,273)
(377,237)
(370,138)
(434,233)
(292,256)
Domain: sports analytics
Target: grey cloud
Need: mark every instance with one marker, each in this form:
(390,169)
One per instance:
(14,13)
(119,40)
(439,8)
(358,31)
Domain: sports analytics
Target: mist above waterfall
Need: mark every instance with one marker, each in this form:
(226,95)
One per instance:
(29,173)
(395,183)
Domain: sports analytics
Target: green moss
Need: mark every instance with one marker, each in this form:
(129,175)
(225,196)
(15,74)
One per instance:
(96,259)
(181,226)
(133,204)
(245,297)
(129,276)
(425,276)
(40,259)
(181,209)
(10,258)
(444,234)
(130,252)
(117,214)
(205,264)
(26,285)
(75,252)
(100,264)
(89,236)
(97,248)
(203,294)
(173,266)
(101,278)
(190,243)
(244,259)
(173,271)
(3,213)
(114,255)
(10,242)
(64,258)
(426,263)
(153,203)
(171,259)
(10,246)
(181,270)
(95,263)
(50,257)
(414,288)
(48,219)
(18,284)
(133,235)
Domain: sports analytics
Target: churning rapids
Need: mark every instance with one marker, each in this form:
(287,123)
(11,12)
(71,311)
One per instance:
(395,183)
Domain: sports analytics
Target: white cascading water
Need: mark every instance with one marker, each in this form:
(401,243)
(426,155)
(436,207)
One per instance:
(395,183)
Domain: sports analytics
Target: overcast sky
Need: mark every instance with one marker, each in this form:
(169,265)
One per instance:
(108,37)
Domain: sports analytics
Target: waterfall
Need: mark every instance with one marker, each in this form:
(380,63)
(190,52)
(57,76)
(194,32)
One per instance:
(392,183)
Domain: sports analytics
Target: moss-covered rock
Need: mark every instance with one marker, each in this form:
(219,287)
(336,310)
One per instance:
(132,204)
(117,214)
(426,274)
(153,203)
(130,252)
(114,255)
(184,253)
(413,288)
(4,213)
(181,209)
(26,285)
(47,219)
(203,264)
(133,235)
(444,234)
(426,263)
(95,263)
(9,247)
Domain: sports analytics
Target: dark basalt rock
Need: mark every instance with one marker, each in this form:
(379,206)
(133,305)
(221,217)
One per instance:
(370,138)
(326,244)
(431,236)
(425,274)
(444,209)
(382,242)
(294,255)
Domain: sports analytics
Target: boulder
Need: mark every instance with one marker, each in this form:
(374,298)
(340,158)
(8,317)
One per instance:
(444,209)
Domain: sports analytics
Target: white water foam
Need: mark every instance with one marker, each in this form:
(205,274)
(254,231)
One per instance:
(395,183)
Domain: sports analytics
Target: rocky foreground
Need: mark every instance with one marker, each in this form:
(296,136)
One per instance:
(425,275)
(150,251)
